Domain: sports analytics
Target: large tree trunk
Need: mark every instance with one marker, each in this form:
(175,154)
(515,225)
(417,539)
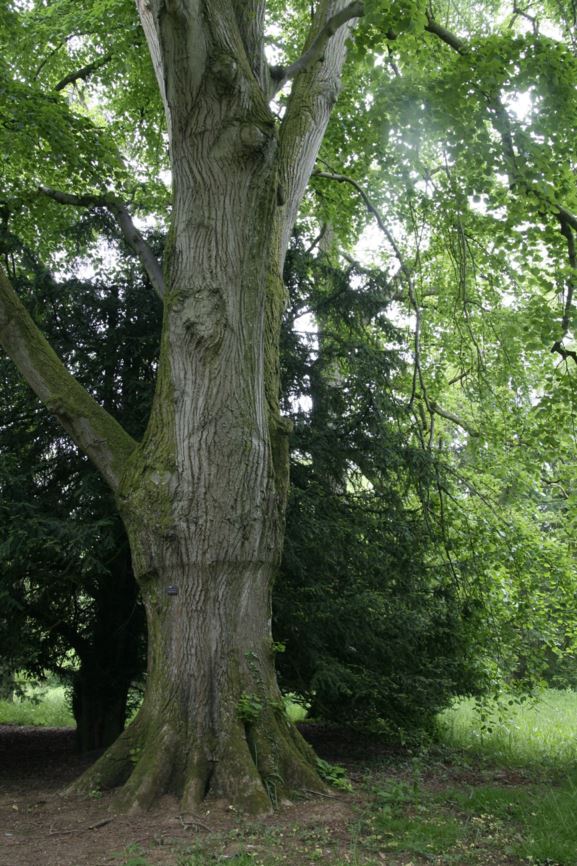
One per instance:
(203,497)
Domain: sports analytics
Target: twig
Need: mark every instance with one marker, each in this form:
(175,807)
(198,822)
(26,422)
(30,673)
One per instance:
(322,794)
(94,826)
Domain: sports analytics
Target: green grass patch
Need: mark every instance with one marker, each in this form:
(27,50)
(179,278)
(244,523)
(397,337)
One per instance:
(42,706)
(542,731)
(540,820)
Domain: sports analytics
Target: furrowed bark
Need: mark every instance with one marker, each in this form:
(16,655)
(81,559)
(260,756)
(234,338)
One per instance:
(250,16)
(95,432)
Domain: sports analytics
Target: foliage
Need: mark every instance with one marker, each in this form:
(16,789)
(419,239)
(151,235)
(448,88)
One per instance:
(66,581)
(374,635)
(249,708)
(334,775)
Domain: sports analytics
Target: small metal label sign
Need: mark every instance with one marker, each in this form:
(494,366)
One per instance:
(172,590)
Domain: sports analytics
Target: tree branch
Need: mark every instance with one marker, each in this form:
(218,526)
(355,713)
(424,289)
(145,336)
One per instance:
(450,416)
(83,73)
(405,271)
(313,95)
(282,74)
(129,231)
(250,15)
(567,220)
(445,35)
(95,432)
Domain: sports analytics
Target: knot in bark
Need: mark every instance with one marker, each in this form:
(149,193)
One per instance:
(203,315)
(253,137)
(225,69)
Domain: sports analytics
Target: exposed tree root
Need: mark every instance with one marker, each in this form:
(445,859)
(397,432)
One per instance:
(256,768)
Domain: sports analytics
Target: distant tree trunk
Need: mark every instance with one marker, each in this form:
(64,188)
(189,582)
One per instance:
(99,712)
(6,686)
(111,657)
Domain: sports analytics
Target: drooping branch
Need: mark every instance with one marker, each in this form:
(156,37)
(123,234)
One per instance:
(566,219)
(281,74)
(84,73)
(406,271)
(95,432)
(129,231)
(343,178)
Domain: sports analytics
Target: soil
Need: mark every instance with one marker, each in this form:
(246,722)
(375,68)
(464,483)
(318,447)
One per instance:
(39,827)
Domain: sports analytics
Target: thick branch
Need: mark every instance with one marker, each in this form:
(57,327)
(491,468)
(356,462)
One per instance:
(250,15)
(314,92)
(129,231)
(83,73)
(445,35)
(568,234)
(315,52)
(95,432)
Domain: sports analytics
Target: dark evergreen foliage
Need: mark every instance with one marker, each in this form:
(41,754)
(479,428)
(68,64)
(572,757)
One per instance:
(375,635)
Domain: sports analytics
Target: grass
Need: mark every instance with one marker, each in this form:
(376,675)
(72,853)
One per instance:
(40,705)
(537,733)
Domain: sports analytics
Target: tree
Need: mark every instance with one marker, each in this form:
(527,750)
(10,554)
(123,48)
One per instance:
(374,628)
(202,494)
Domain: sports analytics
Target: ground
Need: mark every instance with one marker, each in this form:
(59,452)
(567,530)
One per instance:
(405,808)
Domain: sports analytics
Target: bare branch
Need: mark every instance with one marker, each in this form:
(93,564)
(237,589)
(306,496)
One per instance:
(129,231)
(405,270)
(282,74)
(343,178)
(83,73)
(96,432)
